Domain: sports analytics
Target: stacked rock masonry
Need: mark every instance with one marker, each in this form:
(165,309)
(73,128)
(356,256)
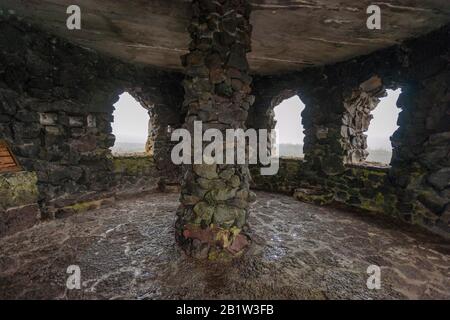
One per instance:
(338,101)
(56,106)
(165,115)
(421,157)
(56,109)
(215,197)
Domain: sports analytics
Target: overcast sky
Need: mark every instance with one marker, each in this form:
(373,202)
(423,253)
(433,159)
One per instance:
(384,122)
(131,121)
(382,126)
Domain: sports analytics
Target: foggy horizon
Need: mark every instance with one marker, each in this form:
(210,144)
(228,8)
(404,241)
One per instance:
(130,123)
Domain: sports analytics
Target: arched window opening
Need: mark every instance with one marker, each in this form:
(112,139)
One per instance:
(289,127)
(381,128)
(130,126)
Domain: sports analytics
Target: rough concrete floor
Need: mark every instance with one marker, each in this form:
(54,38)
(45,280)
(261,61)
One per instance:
(299,251)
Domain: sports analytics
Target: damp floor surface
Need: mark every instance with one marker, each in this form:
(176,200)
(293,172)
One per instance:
(299,251)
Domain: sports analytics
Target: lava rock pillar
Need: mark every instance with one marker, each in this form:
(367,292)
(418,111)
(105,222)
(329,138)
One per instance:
(163,120)
(421,155)
(212,217)
(322,120)
(163,104)
(335,120)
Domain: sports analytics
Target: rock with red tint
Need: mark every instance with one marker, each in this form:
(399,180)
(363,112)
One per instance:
(239,243)
(194,232)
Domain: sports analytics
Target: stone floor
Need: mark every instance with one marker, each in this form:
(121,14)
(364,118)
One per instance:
(299,251)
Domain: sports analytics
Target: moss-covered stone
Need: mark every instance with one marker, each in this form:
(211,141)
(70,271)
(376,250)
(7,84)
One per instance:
(133,165)
(206,171)
(203,212)
(431,200)
(83,206)
(220,195)
(225,215)
(314,195)
(18,189)
(208,184)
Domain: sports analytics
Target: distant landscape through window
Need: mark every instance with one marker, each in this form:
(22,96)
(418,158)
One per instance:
(130,125)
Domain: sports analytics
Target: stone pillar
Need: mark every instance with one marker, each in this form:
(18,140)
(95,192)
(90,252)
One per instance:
(215,198)
(164,109)
(421,156)
(163,120)
(262,115)
(358,105)
(335,119)
(322,122)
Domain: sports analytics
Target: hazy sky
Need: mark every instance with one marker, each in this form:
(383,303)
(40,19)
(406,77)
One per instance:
(289,121)
(382,126)
(131,121)
(384,122)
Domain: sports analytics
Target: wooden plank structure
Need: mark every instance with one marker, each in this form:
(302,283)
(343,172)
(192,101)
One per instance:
(8,162)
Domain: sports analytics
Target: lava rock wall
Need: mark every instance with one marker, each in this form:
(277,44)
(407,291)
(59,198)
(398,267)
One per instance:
(421,154)
(56,106)
(19,207)
(137,175)
(339,99)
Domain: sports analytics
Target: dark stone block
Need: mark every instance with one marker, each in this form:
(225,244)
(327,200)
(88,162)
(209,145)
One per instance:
(440,179)
(354,201)
(432,201)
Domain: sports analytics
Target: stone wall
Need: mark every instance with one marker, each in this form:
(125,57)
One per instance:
(136,175)
(289,177)
(421,154)
(363,187)
(164,102)
(339,99)
(18,201)
(56,105)
(55,111)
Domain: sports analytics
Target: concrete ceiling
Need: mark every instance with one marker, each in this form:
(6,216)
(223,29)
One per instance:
(287,35)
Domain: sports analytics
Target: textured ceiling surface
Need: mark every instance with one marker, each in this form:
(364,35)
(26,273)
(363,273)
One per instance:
(287,35)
